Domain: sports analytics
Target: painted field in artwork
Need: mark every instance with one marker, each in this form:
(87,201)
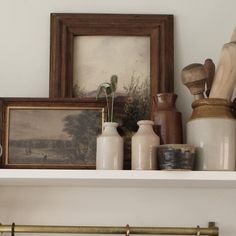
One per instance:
(53,136)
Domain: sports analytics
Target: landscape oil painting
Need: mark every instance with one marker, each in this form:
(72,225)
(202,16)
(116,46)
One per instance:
(53,137)
(96,58)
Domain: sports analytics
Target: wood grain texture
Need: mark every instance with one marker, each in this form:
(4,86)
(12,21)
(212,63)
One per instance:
(64,27)
(209,67)
(194,78)
(225,77)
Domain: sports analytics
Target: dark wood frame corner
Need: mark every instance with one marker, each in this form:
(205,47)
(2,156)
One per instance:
(66,26)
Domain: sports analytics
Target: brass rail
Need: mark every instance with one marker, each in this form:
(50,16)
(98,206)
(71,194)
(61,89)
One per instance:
(212,230)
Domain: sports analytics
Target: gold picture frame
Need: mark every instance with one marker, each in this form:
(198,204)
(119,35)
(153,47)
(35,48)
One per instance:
(50,133)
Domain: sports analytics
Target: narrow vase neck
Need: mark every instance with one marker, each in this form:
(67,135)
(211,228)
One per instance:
(110,128)
(165,101)
(145,126)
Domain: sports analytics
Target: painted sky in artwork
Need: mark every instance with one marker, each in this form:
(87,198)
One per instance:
(96,58)
(38,124)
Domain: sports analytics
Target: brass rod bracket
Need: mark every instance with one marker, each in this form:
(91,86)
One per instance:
(212,225)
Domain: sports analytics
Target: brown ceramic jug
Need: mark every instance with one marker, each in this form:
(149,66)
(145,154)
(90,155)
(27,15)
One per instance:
(167,120)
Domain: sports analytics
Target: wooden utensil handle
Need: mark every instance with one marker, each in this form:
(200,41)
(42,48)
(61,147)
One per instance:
(209,66)
(225,77)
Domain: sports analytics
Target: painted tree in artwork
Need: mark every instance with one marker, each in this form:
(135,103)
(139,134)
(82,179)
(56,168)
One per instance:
(83,129)
(138,104)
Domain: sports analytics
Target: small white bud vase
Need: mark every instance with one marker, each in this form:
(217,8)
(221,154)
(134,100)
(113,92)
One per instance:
(109,155)
(144,147)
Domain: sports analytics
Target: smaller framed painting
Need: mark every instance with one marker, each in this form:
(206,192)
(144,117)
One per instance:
(50,133)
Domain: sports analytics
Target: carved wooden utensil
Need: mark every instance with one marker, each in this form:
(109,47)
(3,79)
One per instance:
(225,77)
(210,70)
(194,77)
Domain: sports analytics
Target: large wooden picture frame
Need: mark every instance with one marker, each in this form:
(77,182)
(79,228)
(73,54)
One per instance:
(65,27)
(50,133)
(145,39)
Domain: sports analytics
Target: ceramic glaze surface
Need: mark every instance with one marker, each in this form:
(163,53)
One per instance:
(176,156)
(144,147)
(109,148)
(214,139)
(167,120)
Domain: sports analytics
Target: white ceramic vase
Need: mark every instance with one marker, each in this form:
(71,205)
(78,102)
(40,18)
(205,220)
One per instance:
(144,147)
(109,155)
(212,130)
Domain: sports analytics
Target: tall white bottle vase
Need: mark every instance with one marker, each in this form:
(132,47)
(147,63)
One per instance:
(144,147)
(110,144)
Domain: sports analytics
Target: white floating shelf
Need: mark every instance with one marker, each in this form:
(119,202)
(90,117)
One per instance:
(119,178)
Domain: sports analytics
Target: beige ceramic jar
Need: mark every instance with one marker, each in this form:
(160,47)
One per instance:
(144,147)
(212,130)
(110,144)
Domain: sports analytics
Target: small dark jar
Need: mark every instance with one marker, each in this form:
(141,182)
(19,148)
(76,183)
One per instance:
(176,157)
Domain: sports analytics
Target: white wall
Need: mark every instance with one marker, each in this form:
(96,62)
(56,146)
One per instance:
(201,28)
(117,207)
